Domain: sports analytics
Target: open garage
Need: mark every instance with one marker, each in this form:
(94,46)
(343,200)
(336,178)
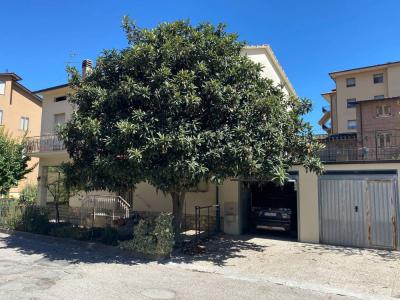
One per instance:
(271,209)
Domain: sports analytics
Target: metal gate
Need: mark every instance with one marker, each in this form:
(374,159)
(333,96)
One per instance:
(359,210)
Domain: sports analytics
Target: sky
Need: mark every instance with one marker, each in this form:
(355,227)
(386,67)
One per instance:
(310,37)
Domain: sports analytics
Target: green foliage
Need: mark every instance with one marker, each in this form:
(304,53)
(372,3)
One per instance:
(28,218)
(10,214)
(13,162)
(28,194)
(181,105)
(110,236)
(152,236)
(35,219)
(57,185)
(164,233)
(72,232)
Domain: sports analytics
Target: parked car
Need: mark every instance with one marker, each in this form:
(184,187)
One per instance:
(272,218)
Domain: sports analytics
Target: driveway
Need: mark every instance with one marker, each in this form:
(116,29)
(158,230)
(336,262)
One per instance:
(231,268)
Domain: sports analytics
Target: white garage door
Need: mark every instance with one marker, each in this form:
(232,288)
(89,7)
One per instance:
(359,210)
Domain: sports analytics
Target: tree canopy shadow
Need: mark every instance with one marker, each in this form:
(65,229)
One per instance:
(218,250)
(70,251)
(322,249)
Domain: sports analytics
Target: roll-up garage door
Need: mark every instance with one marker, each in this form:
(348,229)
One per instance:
(359,210)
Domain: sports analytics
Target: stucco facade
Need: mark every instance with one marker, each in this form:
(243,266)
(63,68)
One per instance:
(17,102)
(365,87)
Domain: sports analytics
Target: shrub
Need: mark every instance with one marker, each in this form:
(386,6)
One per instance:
(110,236)
(35,219)
(152,236)
(28,194)
(164,233)
(10,214)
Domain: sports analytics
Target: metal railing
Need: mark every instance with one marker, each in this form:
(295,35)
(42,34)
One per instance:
(208,225)
(109,207)
(45,143)
(368,146)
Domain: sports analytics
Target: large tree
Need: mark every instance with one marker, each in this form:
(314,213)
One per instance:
(13,161)
(180,105)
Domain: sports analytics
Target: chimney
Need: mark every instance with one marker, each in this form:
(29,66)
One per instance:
(86,67)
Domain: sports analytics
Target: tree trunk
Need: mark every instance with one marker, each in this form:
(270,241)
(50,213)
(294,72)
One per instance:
(178,199)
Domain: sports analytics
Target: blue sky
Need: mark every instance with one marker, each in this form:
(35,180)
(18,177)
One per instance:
(310,38)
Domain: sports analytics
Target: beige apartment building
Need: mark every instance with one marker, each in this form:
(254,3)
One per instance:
(20,114)
(375,82)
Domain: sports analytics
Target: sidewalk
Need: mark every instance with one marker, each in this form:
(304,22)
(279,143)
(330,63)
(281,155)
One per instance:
(359,273)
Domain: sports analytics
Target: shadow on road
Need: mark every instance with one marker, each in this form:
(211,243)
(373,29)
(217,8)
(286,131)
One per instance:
(219,250)
(70,251)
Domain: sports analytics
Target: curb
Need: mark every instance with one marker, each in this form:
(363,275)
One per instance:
(84,244)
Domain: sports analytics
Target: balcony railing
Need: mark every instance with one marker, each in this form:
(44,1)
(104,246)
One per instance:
(369,146)
(45,143)
(360,154)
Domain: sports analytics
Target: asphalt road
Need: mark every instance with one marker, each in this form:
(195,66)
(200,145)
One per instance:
(32,268)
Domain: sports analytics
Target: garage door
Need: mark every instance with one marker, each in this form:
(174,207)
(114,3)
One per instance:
(359,210)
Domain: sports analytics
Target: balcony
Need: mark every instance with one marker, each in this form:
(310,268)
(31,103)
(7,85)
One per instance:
(370,146)
(45,143)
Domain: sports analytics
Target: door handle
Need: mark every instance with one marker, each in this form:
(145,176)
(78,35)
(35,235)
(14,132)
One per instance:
(356,208)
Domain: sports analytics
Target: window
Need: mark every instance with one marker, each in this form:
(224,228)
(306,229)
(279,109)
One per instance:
(384,139)
(2,87)
(351,124)
(379,97)
(350,82)
(24,124)
(1,117)
(59,119)
(378,78)
(383,111)
(351,103)
(61,98)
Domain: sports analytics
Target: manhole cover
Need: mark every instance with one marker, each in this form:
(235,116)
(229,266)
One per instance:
(159,294)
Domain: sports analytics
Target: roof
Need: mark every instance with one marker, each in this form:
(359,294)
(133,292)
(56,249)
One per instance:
(52,88)
(13,75)
(276,63)
(333,74)
(17,78)
(333,91)
(371,100)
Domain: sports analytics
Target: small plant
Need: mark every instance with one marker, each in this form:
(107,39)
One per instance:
(152,236)
(28,194)
(164,233)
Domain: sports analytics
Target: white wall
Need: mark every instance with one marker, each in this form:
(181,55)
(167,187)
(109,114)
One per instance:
(50,108)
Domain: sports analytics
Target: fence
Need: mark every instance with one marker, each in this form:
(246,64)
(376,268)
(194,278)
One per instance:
(45,143)
(365,146)
(209,224)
